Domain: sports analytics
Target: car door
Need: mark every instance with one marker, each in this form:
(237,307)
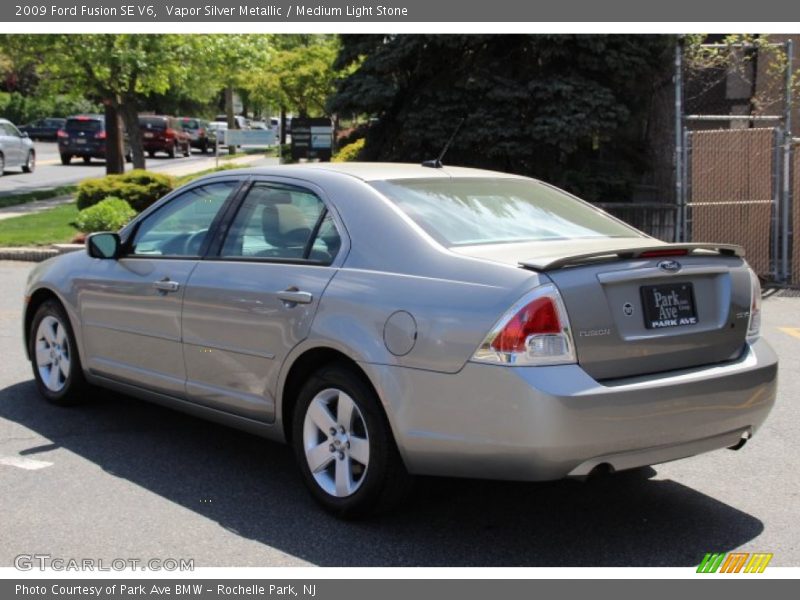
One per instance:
(130,308)
(250,303)
(11,144)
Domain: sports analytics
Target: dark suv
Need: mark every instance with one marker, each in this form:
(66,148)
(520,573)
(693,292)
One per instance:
(84,136)
(163,134)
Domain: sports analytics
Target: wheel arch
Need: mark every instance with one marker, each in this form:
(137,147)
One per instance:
(302,366)
(37,298)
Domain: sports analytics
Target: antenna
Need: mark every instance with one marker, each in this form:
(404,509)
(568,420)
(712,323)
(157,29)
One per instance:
(437,162)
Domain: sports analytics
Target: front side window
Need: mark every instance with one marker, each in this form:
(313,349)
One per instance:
(282,222)
(472,211)
(180,227)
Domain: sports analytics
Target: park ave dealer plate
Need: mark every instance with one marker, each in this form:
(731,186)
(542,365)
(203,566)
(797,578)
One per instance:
(668,305)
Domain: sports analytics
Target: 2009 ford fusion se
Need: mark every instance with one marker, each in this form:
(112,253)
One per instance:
(391,320)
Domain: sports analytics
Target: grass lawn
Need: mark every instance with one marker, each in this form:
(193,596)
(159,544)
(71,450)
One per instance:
(40,229)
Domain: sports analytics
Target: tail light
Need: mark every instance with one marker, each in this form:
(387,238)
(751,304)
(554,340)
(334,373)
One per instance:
(170,133)
(62,134)
(535,331)
(100,135)
(754,325)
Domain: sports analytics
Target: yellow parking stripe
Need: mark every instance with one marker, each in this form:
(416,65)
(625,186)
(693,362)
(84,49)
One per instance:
(792,331)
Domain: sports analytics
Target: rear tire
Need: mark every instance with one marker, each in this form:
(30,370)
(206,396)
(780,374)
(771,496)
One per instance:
(66,159)
(172,150)
(30,163)
(344,445)
(2,165)
(187,151)
(54,356)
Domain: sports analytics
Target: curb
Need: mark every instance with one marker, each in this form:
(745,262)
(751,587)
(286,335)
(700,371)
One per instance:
(38,254)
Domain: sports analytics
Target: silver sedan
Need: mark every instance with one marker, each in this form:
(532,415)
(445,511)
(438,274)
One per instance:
(392,320)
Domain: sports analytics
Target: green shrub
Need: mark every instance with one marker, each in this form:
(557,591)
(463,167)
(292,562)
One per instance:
(139,188)
(350,152)
(107,215)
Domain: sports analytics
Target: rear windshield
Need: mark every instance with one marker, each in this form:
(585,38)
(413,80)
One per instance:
(84,125)
(190,123)
(153,122)
(464,212)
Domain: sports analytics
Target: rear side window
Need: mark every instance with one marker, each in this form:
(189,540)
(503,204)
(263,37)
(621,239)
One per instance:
(463,212)
(282,223)
(84,125)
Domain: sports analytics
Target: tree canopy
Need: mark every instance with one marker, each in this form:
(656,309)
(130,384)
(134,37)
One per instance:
(571,109)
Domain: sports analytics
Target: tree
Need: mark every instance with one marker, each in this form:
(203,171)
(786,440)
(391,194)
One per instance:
(117,70)
(299,76)
(571,109)
(230,62)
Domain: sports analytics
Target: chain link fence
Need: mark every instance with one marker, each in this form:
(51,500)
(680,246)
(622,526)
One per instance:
(732,193)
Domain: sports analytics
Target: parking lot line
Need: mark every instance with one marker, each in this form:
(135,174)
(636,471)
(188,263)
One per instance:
(24,463)
(792,331)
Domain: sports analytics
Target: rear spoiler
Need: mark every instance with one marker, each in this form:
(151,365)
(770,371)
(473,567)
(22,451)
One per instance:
(664,250)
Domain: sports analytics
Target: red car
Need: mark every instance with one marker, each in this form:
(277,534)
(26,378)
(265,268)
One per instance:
(163,134)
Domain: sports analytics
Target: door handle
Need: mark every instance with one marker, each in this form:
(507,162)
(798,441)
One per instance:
(166,285)
(293,296)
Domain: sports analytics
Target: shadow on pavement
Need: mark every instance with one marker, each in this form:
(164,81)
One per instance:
(256,492)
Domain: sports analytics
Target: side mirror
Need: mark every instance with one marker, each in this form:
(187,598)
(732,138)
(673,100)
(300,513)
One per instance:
(103,245)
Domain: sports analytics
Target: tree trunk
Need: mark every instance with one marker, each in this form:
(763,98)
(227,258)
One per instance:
(130,117)
(283,125)
(229,113)
(115,154)
(229,107)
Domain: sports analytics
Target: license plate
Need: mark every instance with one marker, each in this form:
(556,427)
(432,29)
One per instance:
(668,305)
(148,135)
(80,141)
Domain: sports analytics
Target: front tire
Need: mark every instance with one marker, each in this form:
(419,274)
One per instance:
(66,159)
(54,356)
(344,445)
(30,163)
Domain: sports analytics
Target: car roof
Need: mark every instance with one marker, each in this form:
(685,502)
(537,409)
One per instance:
(379,171)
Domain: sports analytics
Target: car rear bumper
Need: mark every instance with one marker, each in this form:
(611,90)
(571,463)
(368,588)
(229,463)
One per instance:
(157,145)
(88,149)
(542,423)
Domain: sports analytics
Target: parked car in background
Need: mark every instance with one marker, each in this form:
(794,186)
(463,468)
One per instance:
(198,132)
(239,121)
(164,134)
(217,130)
(16,148)
(44,129)
(388,320)
(85,136)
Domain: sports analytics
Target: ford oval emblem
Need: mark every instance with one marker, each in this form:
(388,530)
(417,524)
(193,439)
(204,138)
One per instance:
(670,266)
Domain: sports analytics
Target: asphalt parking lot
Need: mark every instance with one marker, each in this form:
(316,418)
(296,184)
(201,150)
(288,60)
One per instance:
(122,478)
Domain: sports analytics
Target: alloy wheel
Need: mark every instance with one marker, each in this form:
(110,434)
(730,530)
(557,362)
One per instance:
(52,353)
(336,447)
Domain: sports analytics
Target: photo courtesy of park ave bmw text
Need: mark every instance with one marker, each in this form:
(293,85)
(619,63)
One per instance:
(403,298)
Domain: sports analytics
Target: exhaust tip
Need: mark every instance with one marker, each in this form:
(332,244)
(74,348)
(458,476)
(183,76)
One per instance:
(742,441)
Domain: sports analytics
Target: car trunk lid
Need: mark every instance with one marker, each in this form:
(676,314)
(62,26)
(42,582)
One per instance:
(641,306)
